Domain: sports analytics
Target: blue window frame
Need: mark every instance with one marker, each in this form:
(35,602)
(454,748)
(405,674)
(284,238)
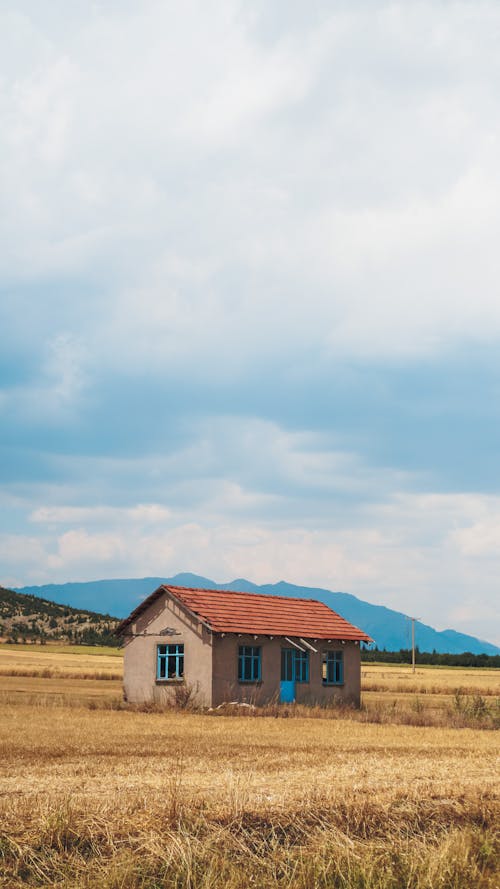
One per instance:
(301,663)
(249,663)
(170,661)
(294,665)
(333,667)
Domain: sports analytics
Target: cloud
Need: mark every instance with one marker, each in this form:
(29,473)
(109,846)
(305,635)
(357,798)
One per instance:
(246,497)
(76,548)
(409,551)
(228,175)
(250,305)
(143,513)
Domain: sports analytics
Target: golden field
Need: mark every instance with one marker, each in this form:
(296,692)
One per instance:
(430,690)
(93,796)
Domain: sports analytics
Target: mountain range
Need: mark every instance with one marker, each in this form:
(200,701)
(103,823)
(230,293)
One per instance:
(390,629)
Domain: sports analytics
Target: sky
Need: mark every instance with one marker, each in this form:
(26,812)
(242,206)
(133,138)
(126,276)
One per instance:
(249,298)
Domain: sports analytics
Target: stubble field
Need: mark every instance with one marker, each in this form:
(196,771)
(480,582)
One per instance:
(92,796)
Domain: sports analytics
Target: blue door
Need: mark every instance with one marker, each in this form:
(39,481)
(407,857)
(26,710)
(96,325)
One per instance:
(287,691)
(287,686)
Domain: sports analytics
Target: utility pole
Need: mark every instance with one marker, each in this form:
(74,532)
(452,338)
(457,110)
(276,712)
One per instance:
(413,619)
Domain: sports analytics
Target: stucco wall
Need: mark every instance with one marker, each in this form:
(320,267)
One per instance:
(225,673)
(140,684)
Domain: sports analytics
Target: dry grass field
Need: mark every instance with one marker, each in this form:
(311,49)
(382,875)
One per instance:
(96,796)
(430,680)
(60,675)
(62,661)
(431,690)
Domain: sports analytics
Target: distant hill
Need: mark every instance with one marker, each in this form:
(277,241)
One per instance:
(389,629)
(29,617)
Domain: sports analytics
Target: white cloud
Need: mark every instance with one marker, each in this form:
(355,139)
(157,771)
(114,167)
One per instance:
(75,549)
(481,539)
(20,552)
(409,552)
(204,196)
(352,162)
(144,513)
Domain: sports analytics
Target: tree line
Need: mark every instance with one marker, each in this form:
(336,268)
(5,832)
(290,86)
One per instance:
(434,658)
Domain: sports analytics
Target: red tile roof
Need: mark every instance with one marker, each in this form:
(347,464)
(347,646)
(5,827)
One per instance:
(228,611)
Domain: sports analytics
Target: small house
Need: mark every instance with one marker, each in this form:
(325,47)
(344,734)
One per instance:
(220,645)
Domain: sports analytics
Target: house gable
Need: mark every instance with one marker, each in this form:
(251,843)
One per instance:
(165,622)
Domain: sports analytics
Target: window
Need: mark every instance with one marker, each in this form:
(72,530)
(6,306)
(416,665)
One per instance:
(249,663)
(333,667)
(294,665)
(301,660)
(170,662)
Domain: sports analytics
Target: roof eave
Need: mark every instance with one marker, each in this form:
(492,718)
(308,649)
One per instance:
(281,634)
